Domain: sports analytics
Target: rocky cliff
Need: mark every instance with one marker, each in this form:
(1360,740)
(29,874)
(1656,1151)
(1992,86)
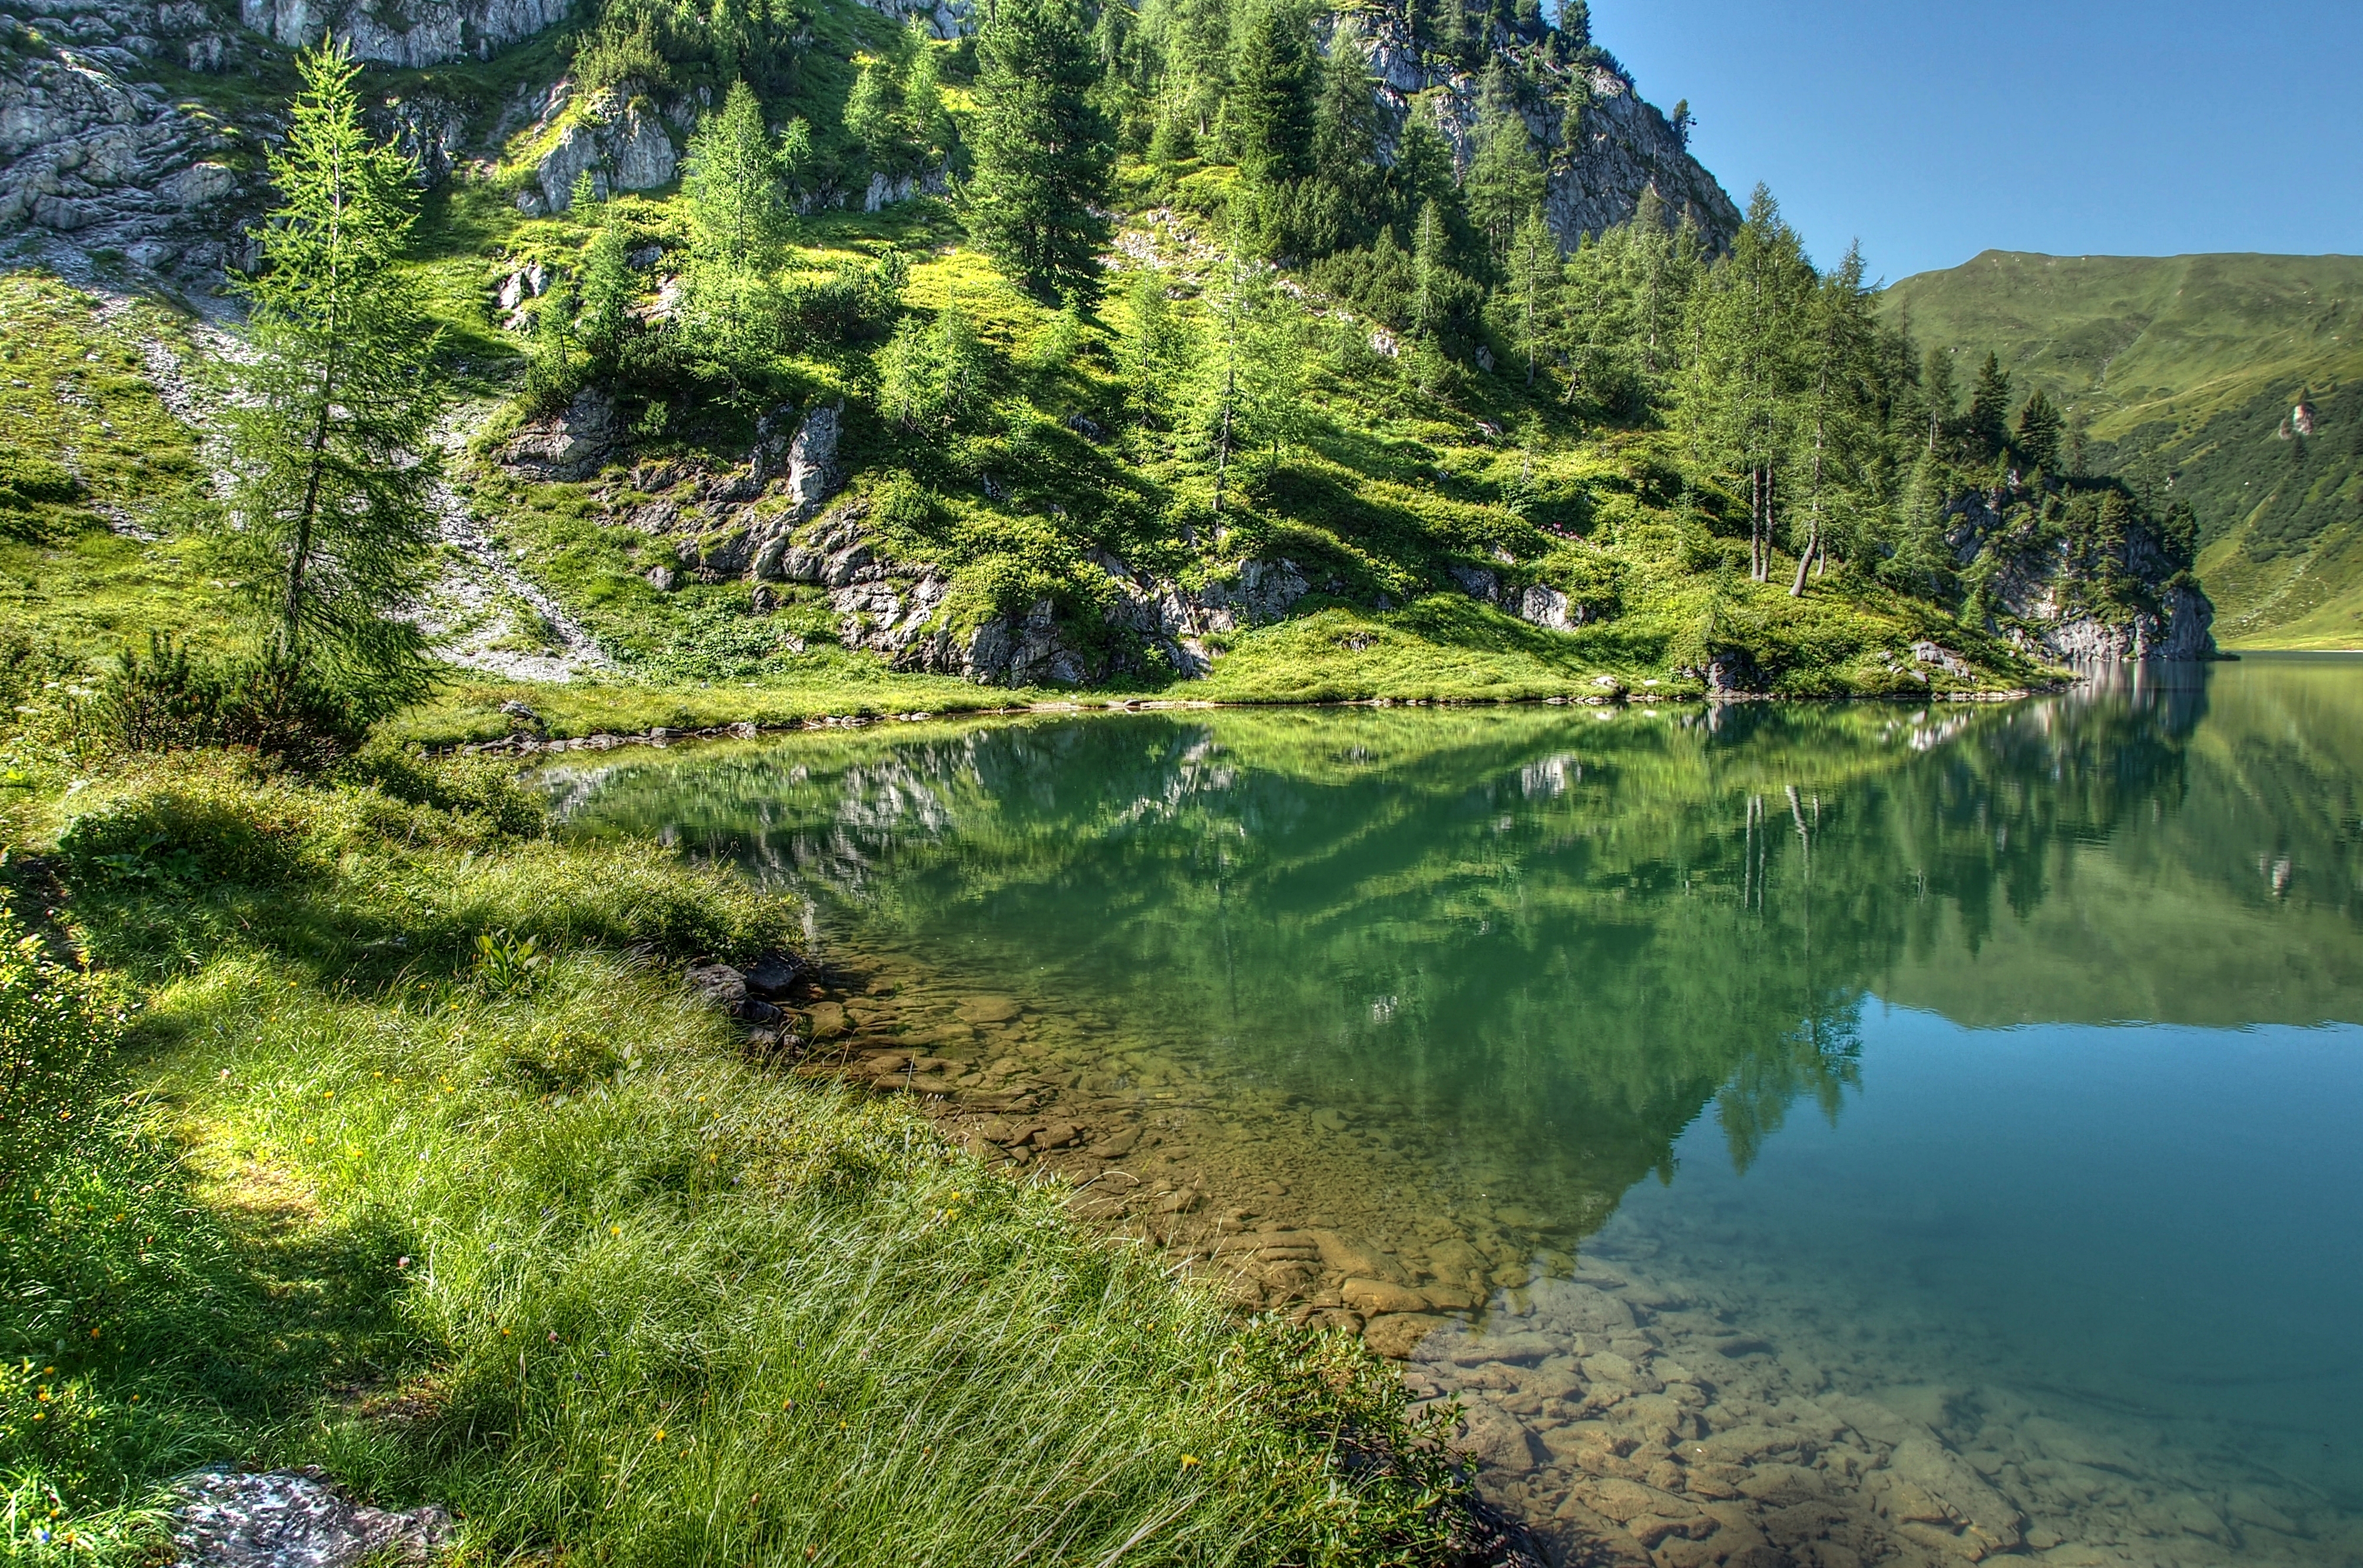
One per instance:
(401,33)
(2080,602)
(93,149)
(1604,144)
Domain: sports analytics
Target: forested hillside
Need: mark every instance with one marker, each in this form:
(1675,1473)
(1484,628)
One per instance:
(1297,352)
(2224,380)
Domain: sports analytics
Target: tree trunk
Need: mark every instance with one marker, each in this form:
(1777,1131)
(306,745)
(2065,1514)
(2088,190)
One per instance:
(1813,544)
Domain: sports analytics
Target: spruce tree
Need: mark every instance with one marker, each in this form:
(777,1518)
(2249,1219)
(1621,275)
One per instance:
(1043,155)
(2039,428)
(1346,117)
(873,114)
(1505,178)
(1533,285)
(607,290)
(1740,409)
(927,123)
(1987,423)
(1270,104)
(1937,387)
(331,440)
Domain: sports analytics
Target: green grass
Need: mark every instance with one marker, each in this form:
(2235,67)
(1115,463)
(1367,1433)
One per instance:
(2185,366)
(416,1162)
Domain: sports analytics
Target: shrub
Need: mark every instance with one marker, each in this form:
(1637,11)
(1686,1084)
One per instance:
(27,480)
(171,699)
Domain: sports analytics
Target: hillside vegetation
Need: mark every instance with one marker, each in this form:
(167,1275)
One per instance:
(2225,379)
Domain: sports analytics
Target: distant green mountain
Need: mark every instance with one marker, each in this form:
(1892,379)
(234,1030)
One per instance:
(2189,372)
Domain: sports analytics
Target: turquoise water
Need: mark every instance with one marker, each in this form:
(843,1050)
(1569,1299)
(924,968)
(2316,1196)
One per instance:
(1896,1135)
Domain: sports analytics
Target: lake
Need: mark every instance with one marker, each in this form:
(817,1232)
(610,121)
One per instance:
(1820,1133)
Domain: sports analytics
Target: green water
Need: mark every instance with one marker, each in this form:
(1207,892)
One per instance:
(1967,1097)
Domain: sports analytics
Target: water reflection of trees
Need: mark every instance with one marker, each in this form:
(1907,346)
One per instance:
(1535,944)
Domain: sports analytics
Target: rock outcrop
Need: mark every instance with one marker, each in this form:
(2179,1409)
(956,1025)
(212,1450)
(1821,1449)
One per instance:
(91,149)
(617,136)
(2049,600)
(410,35)
(1618,147)
(282,1518)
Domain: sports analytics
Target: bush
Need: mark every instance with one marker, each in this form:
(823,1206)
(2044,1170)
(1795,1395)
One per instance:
(170,699)
(26,482)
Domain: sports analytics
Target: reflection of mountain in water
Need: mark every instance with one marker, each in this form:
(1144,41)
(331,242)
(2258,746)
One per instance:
(1536,944)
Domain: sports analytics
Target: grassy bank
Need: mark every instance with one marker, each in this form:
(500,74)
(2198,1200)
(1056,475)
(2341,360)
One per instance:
(388,1139)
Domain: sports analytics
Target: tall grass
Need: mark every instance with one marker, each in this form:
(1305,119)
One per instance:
(534,1240)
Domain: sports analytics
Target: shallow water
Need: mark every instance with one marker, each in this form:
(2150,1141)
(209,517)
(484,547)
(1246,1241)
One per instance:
(1824,1134)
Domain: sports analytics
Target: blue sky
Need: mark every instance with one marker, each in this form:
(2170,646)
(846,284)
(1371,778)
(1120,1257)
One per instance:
(1934,129)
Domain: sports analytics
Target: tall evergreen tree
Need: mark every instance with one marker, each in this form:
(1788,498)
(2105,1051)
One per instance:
(607,290)
(1986,424)
(1740,407)
(1043,153)
(737,205)
(1839,424)
(1346,117)
(1533,286)
(2039,428)
(1936,391)
(331,439)
(1505,178)
(1270,108)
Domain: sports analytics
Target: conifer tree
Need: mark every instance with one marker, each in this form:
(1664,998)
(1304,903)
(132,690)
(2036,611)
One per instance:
(1043,155)
(925,121)
(737,205)
(1987,423)
(331,439)
(607,290)
(1740,407)
(1838,422)
(1155,352)
(2038,432)
(1936,389)
(1346,117)
(1505,178)
(1534,286)
(1270,108)
(873,114)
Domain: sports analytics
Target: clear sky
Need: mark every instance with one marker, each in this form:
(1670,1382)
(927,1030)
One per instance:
(1934,129)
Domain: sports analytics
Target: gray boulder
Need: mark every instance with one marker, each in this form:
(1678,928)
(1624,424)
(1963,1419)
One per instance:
(295,1520)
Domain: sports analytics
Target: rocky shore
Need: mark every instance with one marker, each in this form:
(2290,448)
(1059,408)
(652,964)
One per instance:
(1623,1409)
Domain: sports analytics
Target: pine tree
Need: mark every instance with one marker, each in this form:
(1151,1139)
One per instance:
(1937,388)
(1987,423)
(873,114)
(607,290)
(1839,421)
(1534,286)
(737,207)
(927,123)
(1043,156)
(1155,352)
(2038,432)
(1431,272)
(1740,409)
(1270,108)
(1505,178)
(331,439)
(551,372)
(1575,22)
(1346,117)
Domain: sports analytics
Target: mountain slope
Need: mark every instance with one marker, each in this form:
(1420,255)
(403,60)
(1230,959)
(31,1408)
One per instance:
(2233,381)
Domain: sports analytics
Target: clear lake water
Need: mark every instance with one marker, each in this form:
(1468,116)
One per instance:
(1827,1134)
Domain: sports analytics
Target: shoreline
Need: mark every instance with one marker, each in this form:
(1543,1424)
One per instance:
(524,744)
